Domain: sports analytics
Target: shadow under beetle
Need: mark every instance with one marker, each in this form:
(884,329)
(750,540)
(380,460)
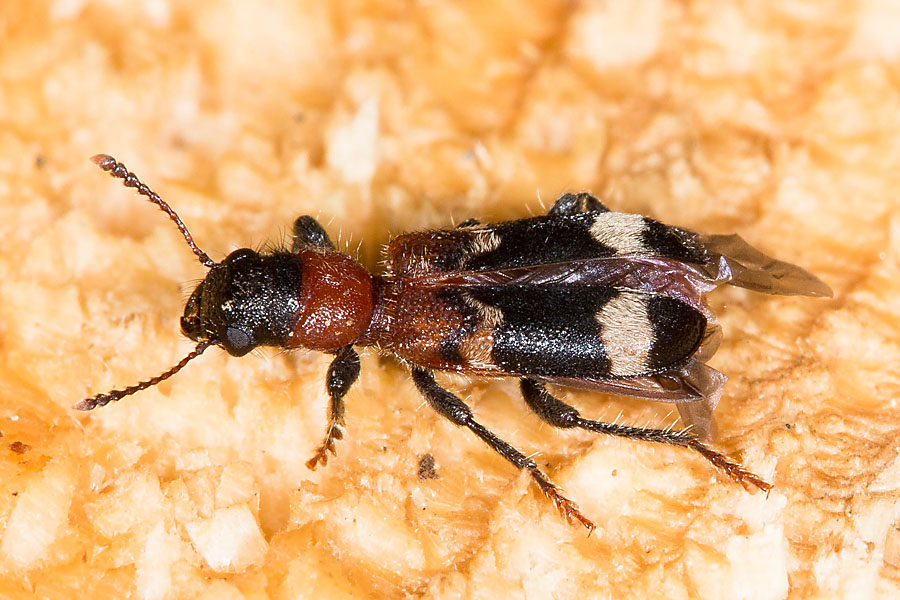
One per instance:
(581,297)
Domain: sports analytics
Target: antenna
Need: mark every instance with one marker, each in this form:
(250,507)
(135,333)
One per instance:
(129,179)
(115,395)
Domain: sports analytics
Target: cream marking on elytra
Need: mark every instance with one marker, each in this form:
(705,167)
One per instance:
(626,333)
(478,348)
(621,231)
(489,317)
(483,241)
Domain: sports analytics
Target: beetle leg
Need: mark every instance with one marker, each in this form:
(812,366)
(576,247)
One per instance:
(453,408)
(342,374)
(468,223)
(572,204)
(559,414)
(308,233)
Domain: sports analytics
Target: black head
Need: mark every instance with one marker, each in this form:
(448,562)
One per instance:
(247,300)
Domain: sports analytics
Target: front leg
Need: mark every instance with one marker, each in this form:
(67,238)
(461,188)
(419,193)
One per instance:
(451,407)
(342,374)
(307,233)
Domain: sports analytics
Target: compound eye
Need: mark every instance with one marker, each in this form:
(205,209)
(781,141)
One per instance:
(237,341)
(190,326)
(241,254)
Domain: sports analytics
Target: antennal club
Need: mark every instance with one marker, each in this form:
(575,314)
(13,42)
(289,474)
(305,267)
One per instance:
(117,169)
(116,395)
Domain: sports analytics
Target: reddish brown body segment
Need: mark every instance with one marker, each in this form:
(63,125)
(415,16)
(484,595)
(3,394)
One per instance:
(422,321)
(336,301)
(415,322)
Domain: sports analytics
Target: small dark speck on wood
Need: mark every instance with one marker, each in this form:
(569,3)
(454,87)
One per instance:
(19,447)
(427,468)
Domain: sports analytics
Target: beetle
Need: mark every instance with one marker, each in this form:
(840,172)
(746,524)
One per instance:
(580,297)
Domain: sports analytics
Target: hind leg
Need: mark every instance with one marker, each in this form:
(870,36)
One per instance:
(559,414)
(450,406)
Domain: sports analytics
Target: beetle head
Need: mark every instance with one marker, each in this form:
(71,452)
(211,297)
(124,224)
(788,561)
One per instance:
(245,301)
(230,308)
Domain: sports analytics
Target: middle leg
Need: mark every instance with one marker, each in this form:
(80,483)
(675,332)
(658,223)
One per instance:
(450,406)
(573,204)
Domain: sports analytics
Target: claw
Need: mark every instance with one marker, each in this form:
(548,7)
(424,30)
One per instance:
(321,455)
(735,471)
(567,509)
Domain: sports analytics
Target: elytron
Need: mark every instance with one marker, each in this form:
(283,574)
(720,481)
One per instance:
(580,297)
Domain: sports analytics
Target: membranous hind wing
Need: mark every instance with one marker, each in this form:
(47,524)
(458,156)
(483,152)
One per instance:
(732,260)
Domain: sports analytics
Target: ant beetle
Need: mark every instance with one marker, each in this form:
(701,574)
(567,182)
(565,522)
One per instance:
(580,297)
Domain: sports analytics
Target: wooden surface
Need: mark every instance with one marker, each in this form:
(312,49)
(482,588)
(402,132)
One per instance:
(777,120)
